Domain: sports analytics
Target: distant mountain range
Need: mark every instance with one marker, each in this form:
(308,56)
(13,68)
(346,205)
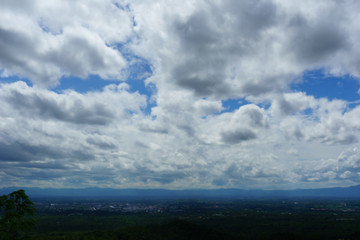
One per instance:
(163,194)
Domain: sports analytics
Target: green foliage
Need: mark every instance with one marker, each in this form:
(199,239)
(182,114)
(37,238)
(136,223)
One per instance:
(174,230)
(16,211)
(243,219)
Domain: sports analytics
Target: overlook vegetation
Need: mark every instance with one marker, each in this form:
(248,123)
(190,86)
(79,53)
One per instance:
(262,219)
(16,211)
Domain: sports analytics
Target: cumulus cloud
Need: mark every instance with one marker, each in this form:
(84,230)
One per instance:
(292,103)
(235,49)
(92,108)
(345,168)
(183,134)
(244,123)
(35,44)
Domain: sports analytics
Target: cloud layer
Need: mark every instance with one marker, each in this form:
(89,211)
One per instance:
(180,134)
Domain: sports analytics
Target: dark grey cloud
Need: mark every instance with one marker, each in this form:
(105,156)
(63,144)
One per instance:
(102,143)
(35,105)
(223,28)
(313,42)
(237,136)
(215,38)
(45,166)
(264,84)
(25,152)
(15,48)
(197,33)
(38,174)
(256,117)
(11,44)
(153,129)
(251,17)
(202,86)
(188,129)
(254,88)
(286,107)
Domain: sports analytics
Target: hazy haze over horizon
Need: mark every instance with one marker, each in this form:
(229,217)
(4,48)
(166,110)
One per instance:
(179,94)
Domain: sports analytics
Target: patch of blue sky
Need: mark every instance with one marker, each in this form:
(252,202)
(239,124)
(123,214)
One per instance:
(96,83)
(44,27)
(231,105)
(90,84)
(139,69)
(12,78)
(320,84)
(125,7)
(308,111)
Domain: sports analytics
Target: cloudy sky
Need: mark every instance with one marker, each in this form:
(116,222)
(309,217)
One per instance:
(179,94)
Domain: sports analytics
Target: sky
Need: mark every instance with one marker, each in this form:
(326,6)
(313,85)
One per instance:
(179,94)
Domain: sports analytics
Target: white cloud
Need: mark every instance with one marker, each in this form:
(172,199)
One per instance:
(99,108)
(344,168)
(201,53)
(204,107)
(45,41)
(235,49)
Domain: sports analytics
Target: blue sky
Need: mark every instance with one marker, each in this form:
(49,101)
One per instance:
(202,94)
(321,85)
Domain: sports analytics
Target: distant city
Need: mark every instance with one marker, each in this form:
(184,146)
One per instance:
(217,208)
(190,194)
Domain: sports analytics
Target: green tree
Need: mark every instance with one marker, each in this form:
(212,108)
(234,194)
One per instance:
(16,215)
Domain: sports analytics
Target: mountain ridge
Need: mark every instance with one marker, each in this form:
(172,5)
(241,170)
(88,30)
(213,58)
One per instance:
(158,193)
